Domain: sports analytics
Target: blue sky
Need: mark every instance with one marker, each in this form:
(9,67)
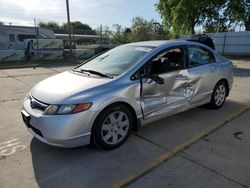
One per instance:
(92,12)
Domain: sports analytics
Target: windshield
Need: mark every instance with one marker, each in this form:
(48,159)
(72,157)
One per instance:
(116,61)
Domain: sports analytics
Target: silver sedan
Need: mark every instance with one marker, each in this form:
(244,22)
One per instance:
(105,98)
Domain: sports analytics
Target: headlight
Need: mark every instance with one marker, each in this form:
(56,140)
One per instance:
(51,109)
(67,108)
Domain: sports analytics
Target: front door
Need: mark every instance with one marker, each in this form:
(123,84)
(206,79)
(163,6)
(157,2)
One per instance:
(159,100)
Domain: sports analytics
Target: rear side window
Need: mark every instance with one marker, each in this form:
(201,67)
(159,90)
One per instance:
(199,56)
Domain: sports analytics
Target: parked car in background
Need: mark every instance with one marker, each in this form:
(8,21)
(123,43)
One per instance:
(203,39)
(102,100)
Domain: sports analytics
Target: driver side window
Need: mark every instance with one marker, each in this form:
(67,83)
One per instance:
(168,61)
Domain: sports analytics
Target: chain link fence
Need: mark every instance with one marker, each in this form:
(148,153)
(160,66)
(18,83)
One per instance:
(30,43)
(230,43)
(86,43)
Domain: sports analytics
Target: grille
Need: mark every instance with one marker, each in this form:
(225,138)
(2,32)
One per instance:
(36,104)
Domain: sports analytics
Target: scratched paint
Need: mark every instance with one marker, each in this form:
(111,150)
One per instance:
(10,147)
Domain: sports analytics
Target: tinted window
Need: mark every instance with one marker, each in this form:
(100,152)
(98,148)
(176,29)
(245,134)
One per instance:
(12,37)
(170,60)
(199,56)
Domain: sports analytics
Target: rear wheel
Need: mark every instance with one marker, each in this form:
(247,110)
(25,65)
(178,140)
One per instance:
(112,127)
(218,96)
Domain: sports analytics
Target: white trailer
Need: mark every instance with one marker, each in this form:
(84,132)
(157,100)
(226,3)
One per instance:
(13,37)
(14,40)
(20,43)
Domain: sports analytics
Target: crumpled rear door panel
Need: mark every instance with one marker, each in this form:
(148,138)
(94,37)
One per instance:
(201,83)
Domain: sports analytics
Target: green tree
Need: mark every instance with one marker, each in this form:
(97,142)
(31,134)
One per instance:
(79,28)
(77,25)
(118,33)
(141,29)
(182,16)
(218,25)
(49,24)
(238,12)
(103,30)
(54,26)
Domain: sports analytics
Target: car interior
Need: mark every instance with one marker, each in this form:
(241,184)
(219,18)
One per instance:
(168,61)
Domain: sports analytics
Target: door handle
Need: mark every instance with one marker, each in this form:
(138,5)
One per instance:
(212,69)
(181,77)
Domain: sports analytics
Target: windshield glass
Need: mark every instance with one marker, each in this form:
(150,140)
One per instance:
(118,60)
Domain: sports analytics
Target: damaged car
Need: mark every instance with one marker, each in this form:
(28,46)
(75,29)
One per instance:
(105,98)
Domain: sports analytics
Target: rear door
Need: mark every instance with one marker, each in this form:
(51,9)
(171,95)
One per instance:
(160,99)
(202,74)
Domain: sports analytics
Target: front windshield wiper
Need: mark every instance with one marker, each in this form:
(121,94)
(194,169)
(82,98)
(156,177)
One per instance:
(95,72)
(78,70)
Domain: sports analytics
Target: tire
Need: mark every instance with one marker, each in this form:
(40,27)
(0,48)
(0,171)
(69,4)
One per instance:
(112,127)
(218,96)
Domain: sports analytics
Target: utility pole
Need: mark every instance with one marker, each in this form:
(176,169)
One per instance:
(125,36)
(69,27)
(37,35)
(126,31)
(156,24)
(101,38)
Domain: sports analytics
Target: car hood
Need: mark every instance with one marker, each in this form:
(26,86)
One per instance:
(63,87)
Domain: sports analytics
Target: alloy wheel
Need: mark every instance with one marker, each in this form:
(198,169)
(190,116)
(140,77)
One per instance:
(115,127)
(220,95)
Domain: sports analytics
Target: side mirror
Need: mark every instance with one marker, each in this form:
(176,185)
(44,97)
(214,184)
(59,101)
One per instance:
(157,79)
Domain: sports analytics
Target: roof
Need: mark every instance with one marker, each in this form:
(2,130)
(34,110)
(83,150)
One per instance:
(16,26)
(157,43)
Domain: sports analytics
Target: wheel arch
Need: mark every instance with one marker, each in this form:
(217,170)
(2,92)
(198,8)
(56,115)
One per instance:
(136,121)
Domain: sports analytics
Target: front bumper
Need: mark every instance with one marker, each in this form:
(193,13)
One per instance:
(70,130)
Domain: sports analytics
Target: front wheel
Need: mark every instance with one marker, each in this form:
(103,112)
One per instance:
(218,96)
(112,127)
